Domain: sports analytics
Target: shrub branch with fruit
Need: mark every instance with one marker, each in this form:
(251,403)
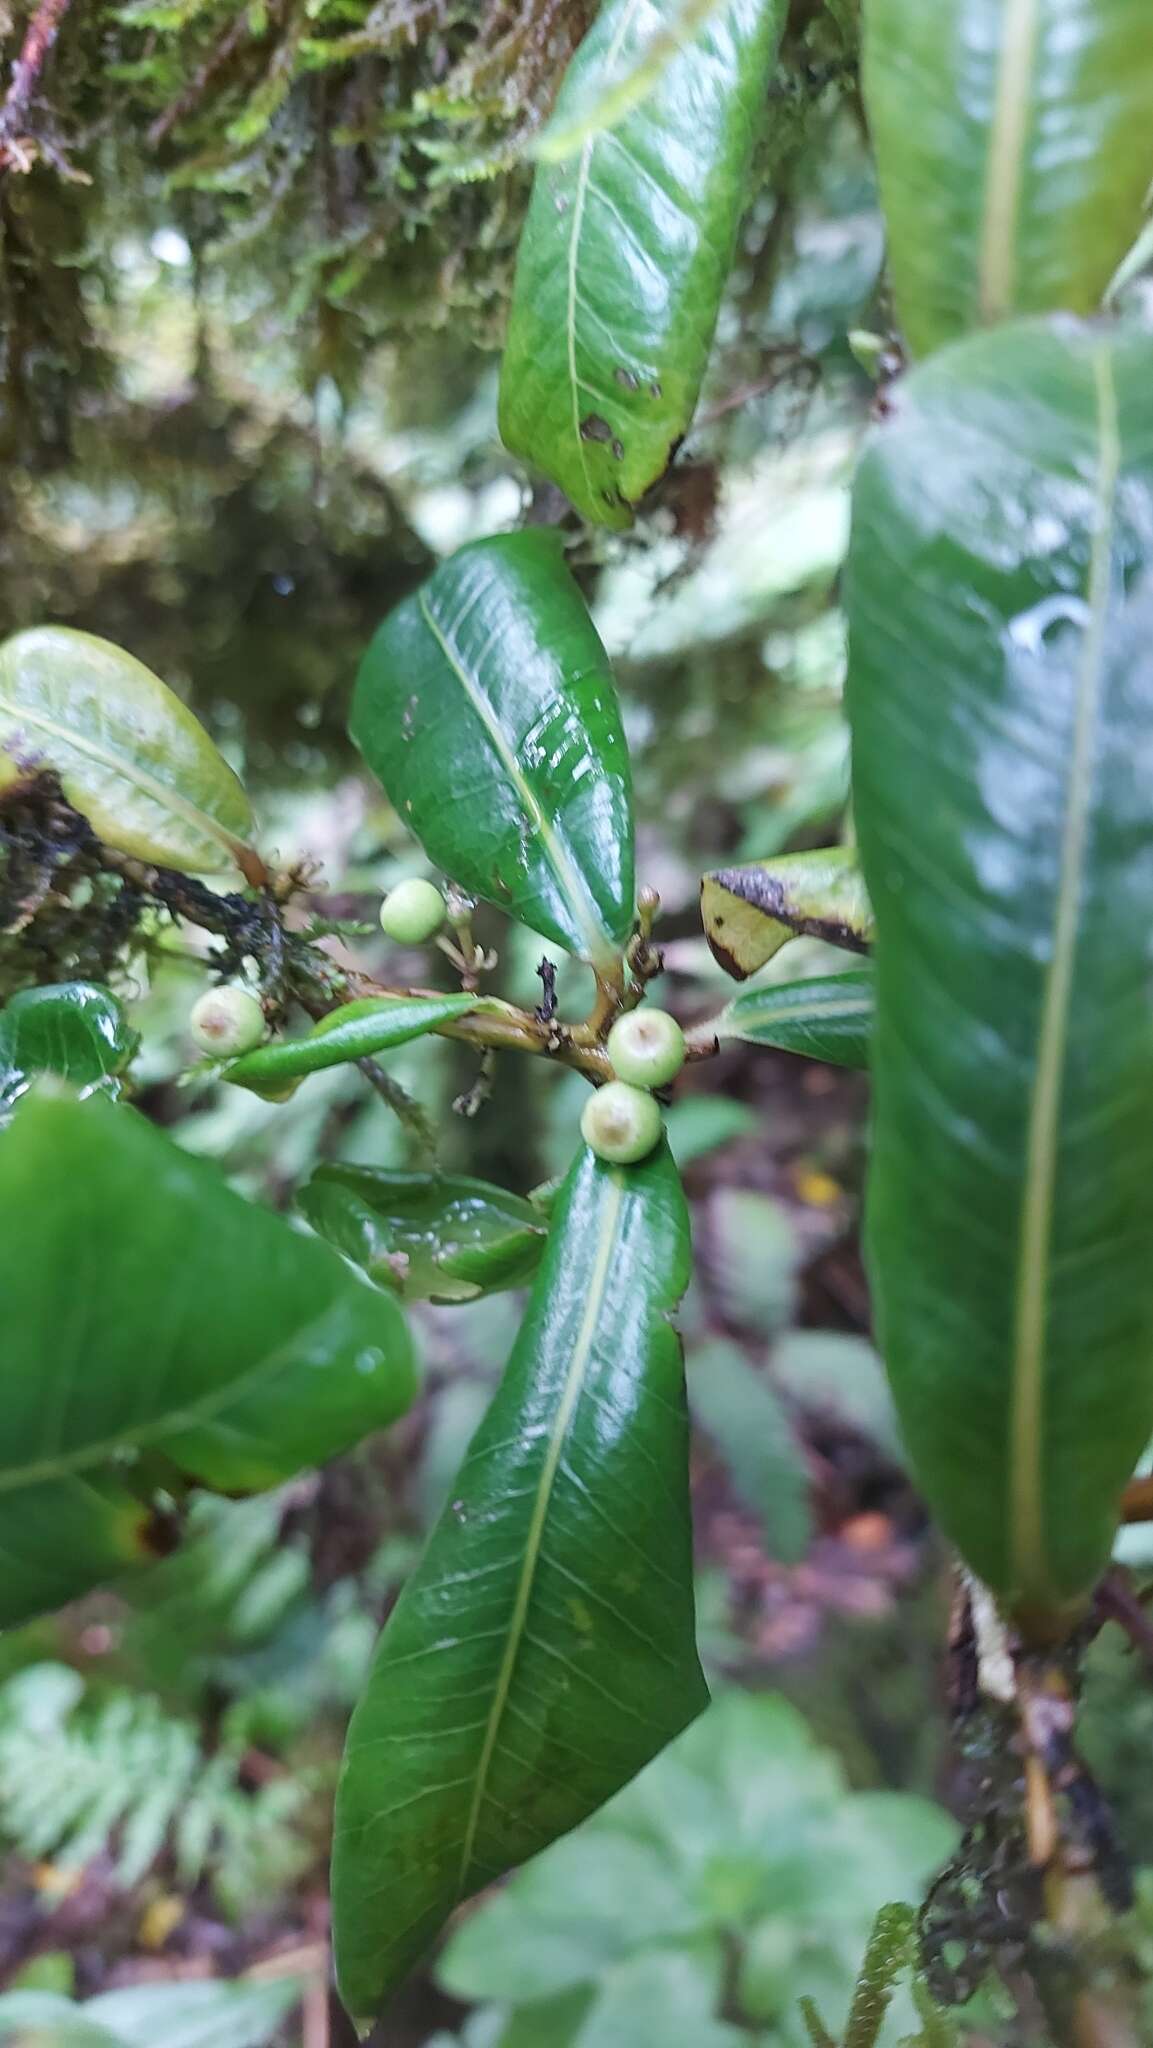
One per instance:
(999,598)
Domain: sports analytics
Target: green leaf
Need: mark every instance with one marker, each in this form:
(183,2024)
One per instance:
(626,248)
(598,98)
(749,913)
(737,1407)
(543,1650)
(834,1375)
(487,708)
(73,1028)
(152,1315)
(1001,698)
(1012,142)
(749,1250)
(128,753)
(354,1032)
(206,2015)
(427,1236)
(829,1017)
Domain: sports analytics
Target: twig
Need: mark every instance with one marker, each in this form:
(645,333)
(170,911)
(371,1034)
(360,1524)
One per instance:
(41,34)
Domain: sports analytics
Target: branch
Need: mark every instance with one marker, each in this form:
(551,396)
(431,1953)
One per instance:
(39,38)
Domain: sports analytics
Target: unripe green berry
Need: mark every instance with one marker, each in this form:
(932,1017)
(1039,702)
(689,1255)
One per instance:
(412,913)
(621,1123)
(227,1021)
(647,1048)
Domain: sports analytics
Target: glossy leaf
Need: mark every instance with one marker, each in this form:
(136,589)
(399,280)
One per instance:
(72,1028)
(128,753)
(749,913)
(427,1236)
(544,1648)
(828,1017)
(356,1031)
(487,708)
(626,248)
(152,1315)
(1001,698)
(1013,146)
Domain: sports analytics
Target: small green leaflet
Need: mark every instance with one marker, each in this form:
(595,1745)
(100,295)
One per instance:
(487,708)
(71,1028)
(543,1650)
(628,241)
(828,1017)
(427,1236)
(356,1031)
(128,753)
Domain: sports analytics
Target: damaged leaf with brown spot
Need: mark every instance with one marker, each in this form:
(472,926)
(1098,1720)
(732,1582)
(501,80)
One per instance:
(749,913)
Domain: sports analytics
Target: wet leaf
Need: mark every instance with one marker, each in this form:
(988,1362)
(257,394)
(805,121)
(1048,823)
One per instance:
(155,1321)
(71,1028)
(544,1648)
(1001,699)
(487,708)
(1012,142)
(427,1236)
(829,1017)
(627,245)
(128,753)
(749,913)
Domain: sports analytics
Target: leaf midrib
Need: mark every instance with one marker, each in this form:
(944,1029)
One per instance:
(1001,204)
(1027,1522)
(163,796)
(542,1499)
(571,884)
(580,198)
(66,1464)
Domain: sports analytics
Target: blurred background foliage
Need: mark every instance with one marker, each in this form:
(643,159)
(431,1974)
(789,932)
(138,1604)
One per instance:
(254,260)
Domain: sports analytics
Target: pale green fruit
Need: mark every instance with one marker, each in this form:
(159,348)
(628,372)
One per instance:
(647,1048)
(621,1123)
(412,913)
(227,1021)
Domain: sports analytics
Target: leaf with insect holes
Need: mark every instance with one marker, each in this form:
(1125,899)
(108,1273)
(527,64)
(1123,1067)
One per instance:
(1001,703)
(157,1325)
(487,708)
(130,756)
(749,913)
(627,245)
(1013,148)
(544,1649)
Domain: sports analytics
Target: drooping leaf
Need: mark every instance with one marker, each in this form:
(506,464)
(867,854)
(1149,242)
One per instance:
(71,1028)
(737,1407)
(487,708)
(626,249)
(128,753)
(354,1032)
(749,913)
(1012,142)
(543,1650)
(152,1315)
(828,1017)
(427,1236)
(1001,698)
